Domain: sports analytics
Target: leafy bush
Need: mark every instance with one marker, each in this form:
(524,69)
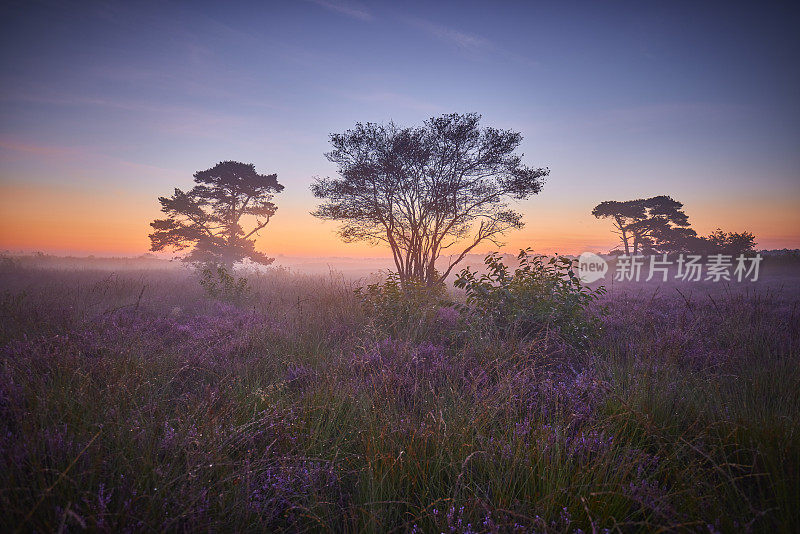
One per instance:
(219,283)
(409,308)
(541,294)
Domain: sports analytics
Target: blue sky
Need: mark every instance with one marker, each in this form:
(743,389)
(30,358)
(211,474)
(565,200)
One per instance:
(110,104)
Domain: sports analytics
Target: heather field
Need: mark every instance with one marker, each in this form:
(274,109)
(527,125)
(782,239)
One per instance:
(141,400)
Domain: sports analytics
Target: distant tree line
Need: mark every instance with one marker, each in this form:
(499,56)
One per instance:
(659,225)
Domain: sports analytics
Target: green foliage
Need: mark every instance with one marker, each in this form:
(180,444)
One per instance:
(541,294)
(220,284)
(397,306)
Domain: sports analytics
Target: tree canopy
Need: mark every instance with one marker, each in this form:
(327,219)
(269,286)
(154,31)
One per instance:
(209,218)
(659,224)
(424,191)
(723,242)
(656,224)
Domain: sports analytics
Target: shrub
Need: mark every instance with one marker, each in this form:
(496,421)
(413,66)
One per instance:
(540,295)
(219,283)
(409,308)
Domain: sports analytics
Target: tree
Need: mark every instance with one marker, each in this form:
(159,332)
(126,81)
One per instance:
(656,224)
(664,228)
(423,190)
(730,242)
(210,217)
(624,214)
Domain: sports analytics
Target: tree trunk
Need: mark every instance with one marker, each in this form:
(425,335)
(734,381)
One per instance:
(624,234)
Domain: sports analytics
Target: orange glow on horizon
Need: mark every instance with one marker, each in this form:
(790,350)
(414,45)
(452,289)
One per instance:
(65,220)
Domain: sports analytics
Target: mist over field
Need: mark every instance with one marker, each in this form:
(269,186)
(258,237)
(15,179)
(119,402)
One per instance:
(135,396)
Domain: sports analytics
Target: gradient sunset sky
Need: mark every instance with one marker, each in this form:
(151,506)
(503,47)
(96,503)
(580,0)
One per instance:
(104,106)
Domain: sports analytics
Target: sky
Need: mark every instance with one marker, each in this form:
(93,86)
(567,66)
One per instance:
(104,106)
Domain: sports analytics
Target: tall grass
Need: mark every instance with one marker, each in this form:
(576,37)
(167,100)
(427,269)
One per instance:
(133,401)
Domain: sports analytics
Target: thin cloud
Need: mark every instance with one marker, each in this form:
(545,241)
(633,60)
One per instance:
(194,121)
(16,145)
(75,154)
(470,44)
(461,40)
(344,8)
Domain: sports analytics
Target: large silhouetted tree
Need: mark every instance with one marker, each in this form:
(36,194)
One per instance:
(656,224)
(426,190)
(210,217)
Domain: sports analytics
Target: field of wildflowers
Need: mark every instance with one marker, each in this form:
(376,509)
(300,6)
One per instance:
(134,401)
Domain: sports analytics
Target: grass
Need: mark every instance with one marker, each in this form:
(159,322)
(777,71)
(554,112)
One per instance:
(132,401)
